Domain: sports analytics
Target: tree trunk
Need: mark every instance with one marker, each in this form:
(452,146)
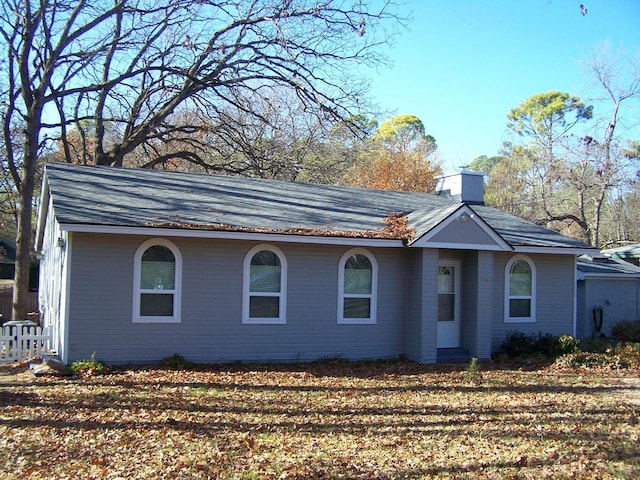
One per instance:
(24,247)
(24,233)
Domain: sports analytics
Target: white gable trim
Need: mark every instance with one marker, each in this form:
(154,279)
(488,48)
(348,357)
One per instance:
(460,214)
(222,234)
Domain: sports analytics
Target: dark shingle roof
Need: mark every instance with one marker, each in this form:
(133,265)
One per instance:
(606,266)
(108,196)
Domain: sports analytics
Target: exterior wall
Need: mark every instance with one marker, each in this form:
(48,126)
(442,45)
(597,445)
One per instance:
(469,231)
(618,297)
(211,329)
(555,277)
(52,291)
(469,329)
(476,320)
(483,321)
(422,301)
(415,303)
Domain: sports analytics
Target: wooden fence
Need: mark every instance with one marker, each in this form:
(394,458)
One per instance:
(6,304)
(23,342)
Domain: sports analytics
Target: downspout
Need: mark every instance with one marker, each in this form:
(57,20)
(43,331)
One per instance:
(575,297)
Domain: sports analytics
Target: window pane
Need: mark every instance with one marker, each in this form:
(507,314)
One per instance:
(264,307)
(445,280)
(358,275)
(157,270)
(264,274)
(519,308)
(357,308)
(446,307)
(520,279)
(156,305)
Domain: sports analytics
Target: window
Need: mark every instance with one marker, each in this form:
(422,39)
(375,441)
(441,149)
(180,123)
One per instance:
(446,294)
(264,286)
(520,289)
(357,285)
(157,276)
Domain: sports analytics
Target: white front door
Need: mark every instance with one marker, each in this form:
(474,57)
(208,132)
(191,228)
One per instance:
(448,304)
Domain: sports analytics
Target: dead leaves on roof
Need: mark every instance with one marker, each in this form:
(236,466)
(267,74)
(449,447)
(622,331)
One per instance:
(396,228)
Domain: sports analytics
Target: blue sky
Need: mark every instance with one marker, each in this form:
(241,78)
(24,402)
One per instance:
(463,64)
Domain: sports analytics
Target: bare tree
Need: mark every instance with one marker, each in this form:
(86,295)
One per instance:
(604,148)
(127,65)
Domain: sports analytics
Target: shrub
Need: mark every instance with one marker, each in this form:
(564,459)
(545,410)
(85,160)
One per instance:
(544,344)
(87,367)
(472,374)
(586,360)
(626,331)
(595,345)
(565,344)
(517,343)
(177,362)
(620,356)
(629,353)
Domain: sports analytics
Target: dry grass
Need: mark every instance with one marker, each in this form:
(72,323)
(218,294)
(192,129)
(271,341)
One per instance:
(323,420)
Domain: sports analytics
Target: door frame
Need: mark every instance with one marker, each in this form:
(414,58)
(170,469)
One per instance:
(448,333)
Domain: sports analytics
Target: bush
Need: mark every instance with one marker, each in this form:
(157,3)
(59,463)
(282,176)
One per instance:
(517,344)
(177,362)
(86,367)
(620,356)
(544,344)
(626,331)
(589,360)
(565,344)
(595,345)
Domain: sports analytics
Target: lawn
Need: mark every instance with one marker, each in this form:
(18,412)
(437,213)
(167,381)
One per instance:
(373,420)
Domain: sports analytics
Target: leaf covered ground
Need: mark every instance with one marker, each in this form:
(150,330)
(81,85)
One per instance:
(379,420)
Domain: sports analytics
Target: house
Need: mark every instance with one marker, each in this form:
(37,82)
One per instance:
(628,253)
(7,258)
(138,265)
(608,292)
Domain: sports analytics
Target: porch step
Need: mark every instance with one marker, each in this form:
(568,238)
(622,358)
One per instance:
(446,355)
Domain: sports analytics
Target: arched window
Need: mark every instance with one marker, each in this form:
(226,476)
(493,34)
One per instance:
(264,286)
(520,290)
(357,287)
(157,277)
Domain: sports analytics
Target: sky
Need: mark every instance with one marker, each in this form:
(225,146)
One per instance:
(463,64)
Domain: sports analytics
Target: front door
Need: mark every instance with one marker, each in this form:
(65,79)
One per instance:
(449,305)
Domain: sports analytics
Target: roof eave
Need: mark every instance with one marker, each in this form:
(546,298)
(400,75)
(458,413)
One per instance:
(234,235)
(554,250)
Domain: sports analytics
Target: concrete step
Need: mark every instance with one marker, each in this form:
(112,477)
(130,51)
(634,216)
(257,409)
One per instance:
(446,355)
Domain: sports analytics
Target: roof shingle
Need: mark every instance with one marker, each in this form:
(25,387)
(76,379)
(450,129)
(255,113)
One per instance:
(94,195)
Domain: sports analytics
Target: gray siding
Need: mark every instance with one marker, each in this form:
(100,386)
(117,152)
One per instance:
(470,302)
(422,304)
(463,232)
(619,299)
(211,328)
(554,297)
(414,304)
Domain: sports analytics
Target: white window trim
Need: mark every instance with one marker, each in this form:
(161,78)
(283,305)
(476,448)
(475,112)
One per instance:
(246,294)
(507,297)
(177,290)
(372,320)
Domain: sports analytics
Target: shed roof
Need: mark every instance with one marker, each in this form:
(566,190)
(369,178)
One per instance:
(122,197)
(600,266)
(628,251)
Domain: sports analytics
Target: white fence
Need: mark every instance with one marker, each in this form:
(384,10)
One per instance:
(23,342)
